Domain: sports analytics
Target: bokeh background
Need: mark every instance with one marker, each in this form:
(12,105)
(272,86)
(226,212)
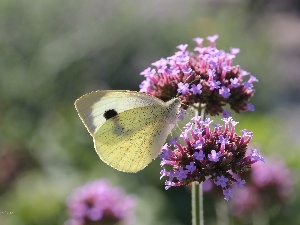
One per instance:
(53,51)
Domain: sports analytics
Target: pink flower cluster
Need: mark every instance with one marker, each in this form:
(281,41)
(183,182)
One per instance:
(218,154)
(267,185)
(98,202)
(205,76)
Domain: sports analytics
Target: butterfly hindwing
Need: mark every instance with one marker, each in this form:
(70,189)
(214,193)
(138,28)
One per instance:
(130,140)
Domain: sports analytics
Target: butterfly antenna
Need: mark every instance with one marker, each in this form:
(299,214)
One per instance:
(191,81)
(187,81)
(174,132)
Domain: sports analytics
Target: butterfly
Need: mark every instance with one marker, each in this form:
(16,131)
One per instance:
(128,128)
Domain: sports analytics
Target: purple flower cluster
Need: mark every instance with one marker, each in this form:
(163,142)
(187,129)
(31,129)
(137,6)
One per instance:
(218,154)
(98,202)
(267,185)
(204,76)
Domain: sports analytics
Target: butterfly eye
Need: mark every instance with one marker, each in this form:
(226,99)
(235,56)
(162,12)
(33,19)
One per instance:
(110,113)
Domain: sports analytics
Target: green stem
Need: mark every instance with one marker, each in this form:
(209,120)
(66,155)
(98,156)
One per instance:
(197,204)
(197,192)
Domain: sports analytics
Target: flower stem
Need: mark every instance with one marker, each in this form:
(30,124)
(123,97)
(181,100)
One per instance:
(197,192)
(197,204)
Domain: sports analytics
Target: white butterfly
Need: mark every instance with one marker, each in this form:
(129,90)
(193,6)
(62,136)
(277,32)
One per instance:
(128,128)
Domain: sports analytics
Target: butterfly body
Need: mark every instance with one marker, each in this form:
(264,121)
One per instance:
(128,128)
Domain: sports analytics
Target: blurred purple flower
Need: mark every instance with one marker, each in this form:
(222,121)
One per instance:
(218,154)
(98,202)
(273,175)
(246,200)
(205,76)
(267,184)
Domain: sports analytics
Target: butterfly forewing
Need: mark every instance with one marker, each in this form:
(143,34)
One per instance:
(92,107)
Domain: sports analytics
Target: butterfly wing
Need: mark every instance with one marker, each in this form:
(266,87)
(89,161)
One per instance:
(92,107)
(131,140)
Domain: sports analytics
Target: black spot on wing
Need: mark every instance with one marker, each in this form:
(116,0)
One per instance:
(110,113)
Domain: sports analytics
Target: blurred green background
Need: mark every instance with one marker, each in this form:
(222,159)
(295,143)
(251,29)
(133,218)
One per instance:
(53,51)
